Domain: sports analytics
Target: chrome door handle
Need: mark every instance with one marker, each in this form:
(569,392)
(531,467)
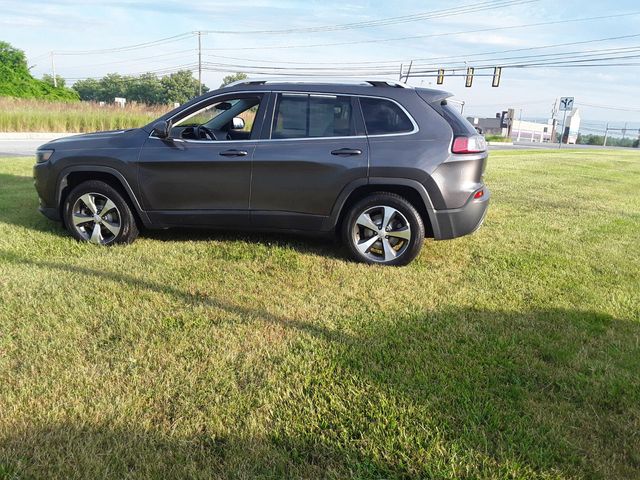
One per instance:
(345,152)
(234,153)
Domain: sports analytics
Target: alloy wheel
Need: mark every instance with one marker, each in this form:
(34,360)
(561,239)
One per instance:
(381,233)
(96,218)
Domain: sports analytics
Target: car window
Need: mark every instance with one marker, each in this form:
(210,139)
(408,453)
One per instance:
(312,116)
(219,117)
(383,117)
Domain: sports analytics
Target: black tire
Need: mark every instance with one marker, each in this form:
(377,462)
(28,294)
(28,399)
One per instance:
(117,225)
(388,248)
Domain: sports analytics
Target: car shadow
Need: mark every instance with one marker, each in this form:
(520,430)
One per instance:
(536,393)
(19,206)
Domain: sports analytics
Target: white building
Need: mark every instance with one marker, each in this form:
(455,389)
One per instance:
(531,131)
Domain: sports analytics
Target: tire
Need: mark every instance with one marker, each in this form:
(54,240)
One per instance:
(86,219)
(370,240)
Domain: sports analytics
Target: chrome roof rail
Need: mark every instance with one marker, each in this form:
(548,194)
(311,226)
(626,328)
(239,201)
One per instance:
(322,81)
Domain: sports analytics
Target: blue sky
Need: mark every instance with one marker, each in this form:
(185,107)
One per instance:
(39,26)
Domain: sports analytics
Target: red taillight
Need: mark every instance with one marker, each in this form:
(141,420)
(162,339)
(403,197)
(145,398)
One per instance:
(478,194)
(472,144)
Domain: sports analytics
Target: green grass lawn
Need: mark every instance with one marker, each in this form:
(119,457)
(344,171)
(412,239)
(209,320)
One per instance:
(511,353)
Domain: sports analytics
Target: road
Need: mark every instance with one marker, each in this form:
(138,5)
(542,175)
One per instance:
(20,148)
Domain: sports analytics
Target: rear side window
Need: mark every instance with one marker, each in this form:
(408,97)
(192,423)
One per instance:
(384,117)
(312,116)
(452,115)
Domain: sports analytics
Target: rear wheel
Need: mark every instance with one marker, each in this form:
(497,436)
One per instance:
(96,212)
(383,228)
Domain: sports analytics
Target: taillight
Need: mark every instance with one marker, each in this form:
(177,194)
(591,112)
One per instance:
(472,144)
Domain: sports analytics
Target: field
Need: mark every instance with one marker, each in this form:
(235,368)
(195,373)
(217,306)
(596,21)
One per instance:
(510,354)
(20,115)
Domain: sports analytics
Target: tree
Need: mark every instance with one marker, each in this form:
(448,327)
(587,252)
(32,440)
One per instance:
(88,89)
(16,80)
(234,77)
(49,79)
(147,88)
(181,86)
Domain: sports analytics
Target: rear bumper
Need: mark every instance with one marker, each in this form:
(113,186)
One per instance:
(462,221)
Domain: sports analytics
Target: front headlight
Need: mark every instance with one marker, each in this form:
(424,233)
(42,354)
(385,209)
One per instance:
(43,155)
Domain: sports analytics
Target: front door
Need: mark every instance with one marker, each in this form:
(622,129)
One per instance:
(201,175)
(316,147)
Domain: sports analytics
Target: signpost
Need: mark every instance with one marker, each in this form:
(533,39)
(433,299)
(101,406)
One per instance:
(566,105)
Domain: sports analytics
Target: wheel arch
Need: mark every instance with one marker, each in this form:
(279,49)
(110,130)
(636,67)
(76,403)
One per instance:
(411,190)
(75,175)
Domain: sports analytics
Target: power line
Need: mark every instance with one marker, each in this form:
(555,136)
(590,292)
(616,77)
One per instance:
(463,9)
(126,48)
(430,35)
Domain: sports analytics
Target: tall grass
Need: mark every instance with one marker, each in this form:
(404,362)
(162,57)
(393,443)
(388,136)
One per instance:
(25,115)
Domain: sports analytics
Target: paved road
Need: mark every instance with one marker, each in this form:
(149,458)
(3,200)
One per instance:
(544,146)
(20,148)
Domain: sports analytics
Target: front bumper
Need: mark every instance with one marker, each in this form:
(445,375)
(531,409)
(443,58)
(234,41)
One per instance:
(457,222)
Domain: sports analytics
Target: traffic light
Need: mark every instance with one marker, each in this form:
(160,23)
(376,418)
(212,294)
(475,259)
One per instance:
(469,80)
(497,72)
(440,80)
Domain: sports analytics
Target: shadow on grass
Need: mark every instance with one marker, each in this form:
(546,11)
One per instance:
(458,393)
(19,206)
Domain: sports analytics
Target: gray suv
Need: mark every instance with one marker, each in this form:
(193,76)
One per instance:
(380,163)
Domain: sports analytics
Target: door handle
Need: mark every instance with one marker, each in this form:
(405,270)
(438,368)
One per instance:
(345,152)
(234,153)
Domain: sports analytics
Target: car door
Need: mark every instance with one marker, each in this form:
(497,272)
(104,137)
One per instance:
(193,179)
(315,147)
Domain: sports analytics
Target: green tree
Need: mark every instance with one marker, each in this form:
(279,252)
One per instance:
(49,79)
(146,88)
(16,80)
(88,89)
(181,86)
(234,77)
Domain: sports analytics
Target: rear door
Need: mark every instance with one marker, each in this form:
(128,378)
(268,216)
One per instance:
(314,147)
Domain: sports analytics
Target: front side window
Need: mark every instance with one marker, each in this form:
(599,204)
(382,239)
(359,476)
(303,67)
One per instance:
(230,119)
(312,116)
(384,117)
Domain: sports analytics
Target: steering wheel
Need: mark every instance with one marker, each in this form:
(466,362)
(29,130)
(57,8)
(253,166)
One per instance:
(201,129)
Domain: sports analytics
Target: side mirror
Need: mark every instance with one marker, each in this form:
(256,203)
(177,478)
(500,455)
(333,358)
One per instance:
(237,124)
(162,129)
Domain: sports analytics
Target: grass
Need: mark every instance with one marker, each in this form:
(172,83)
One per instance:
(497,138)
(510,354)
(20,115)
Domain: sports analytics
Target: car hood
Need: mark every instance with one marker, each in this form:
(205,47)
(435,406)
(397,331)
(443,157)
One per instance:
(108,139)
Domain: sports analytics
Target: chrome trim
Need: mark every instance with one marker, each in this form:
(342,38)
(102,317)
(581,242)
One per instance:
(415,130)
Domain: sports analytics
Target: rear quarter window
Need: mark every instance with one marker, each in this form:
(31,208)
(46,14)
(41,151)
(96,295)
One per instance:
(454,118)
(384,117)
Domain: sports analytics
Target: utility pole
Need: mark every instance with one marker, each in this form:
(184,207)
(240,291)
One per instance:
(406,77)
(606,134)
(519,125)
(53,71)
(199,62)
(401,68)
(624,131)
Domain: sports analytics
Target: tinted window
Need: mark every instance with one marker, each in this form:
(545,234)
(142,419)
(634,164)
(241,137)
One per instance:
(383,117)
(459,124)
(305,116)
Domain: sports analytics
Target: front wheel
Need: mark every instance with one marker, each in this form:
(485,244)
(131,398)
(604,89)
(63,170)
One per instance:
(96,212)
(383,228)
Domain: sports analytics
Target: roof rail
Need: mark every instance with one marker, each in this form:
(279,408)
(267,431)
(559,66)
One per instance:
(323,81)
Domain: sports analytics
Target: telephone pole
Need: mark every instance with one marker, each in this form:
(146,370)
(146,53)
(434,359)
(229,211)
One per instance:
(199,62)
(606,134)
(53,71)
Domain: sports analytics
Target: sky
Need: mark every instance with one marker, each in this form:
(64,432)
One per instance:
(69,27)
